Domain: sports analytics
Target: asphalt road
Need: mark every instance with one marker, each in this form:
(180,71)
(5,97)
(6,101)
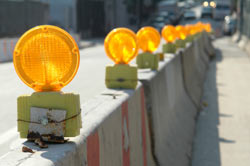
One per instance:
(88,82)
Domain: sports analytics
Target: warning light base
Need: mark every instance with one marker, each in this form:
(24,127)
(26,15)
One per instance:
(121,76)
(190,39)
(147,60)
(180,43)
(49,116)
(161,56)
(169,48)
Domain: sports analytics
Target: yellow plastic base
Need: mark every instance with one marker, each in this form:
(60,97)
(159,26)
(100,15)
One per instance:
(161,56)
(121,76)
(190,39)
(169,48)
(180,43)
(147,60)
(50,100)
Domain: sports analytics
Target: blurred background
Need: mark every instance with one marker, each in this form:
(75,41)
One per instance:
(95,18)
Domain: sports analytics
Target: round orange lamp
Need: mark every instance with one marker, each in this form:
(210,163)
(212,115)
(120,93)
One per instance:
(181,35)
(170,35)
(208,28)
(181,32)
(121,47)
(190,33)
(148,40)
(46,58)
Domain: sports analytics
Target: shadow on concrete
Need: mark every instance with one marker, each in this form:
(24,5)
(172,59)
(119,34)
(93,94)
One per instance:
(54,151)
(206,149)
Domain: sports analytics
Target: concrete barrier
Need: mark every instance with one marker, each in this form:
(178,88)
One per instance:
(115,132)
(208,45)
(7,46)
(195,63)
(171,113)
(151,125)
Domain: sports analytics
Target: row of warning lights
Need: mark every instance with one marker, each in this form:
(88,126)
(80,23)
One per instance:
(46,58)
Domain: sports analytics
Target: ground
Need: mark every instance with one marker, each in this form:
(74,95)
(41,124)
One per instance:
(222,132)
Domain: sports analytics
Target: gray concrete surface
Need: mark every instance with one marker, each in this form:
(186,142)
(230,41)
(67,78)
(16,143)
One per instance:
(171,112)
(222,132)
(105,117)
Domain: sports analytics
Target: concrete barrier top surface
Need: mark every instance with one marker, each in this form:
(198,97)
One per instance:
(94,112)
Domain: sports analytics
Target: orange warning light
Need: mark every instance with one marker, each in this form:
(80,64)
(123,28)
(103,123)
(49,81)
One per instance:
(188,29)
(46,58)
(208,27)
(169,33)
(191,30)
(148,39)
(181,31)
(121,45)
(199,27)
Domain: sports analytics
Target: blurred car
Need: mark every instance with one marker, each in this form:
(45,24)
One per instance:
(221,10)
(189,15)
(159,22)
(207,12)
(191,3)
(209,3)
(229,25)
(173,18)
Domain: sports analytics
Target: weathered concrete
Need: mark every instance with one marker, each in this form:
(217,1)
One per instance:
(194,70)
(222,132)
(208,45)
(115,131)
(171,113)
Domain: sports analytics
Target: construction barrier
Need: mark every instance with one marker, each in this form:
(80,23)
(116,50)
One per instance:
(151,125)
(7,46)
(171,113)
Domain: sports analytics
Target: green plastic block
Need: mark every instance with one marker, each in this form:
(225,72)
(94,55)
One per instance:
(121,76)
(147,60)
(50,100)
(190,39)
(169,48)
(180,43)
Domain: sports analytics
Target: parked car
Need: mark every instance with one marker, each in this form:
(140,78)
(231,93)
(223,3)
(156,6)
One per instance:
(170,6)
(207,12)
(159,22)
(189,15)
(221,10)
(209,3)
(229,25)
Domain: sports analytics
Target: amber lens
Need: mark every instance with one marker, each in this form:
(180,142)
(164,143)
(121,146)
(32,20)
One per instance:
(121,45)
(148,39)
(46,58)
(208,27)
(169,33)
(181,32)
